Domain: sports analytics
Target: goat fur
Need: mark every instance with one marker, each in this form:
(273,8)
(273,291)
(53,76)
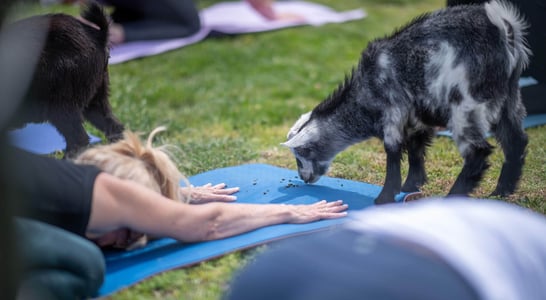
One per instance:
(70,81)
(458,68)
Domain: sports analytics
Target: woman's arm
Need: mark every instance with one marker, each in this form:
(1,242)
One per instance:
(123,204)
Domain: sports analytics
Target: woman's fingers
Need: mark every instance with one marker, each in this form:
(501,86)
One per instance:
(212,193)
(320,210)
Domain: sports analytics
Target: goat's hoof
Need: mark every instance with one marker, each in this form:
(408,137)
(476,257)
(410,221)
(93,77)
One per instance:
(499,194)
(114,138)
(383,200)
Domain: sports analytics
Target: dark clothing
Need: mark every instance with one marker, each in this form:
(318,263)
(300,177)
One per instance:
(55,260)
(152,20)
(344,264)
(57,264)
(9,267)
(54,191)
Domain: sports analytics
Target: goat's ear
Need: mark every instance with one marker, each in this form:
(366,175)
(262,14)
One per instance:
(298,140)
(298,136)
(286,144)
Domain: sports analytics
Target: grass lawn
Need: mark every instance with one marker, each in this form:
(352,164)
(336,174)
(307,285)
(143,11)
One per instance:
(230,101)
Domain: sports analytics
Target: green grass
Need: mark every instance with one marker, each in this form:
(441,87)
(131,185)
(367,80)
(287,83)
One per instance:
(231,101)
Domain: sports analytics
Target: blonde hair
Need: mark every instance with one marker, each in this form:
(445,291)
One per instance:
(130,159)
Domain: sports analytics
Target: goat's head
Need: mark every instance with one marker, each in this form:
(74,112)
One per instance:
(314,151)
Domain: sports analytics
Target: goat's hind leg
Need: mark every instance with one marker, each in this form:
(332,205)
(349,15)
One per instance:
(475,151)
(416,146)
(513,140)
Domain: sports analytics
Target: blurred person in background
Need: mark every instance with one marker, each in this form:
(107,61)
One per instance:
(139,20)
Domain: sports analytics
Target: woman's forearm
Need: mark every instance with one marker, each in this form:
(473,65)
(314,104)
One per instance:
(221,220)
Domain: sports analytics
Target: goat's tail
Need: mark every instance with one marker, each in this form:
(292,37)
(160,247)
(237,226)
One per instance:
(94,13)
(513,26)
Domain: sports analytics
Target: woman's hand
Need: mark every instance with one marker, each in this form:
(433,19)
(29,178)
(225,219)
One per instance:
(266,10)
(306,213)
(209,193)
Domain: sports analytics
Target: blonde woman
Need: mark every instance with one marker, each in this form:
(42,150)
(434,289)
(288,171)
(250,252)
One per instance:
(134,195)
(153,168)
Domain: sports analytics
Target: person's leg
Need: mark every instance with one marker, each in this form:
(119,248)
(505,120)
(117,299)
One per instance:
(56,264)
(344,264)
(150,20)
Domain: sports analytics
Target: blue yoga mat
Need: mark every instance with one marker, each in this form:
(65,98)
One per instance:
(41,138)
(259,183)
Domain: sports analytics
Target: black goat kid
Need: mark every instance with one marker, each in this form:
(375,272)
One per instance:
(70,80)
(457,68)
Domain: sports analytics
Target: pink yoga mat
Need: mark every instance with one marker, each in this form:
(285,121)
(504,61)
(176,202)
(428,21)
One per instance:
(238,18)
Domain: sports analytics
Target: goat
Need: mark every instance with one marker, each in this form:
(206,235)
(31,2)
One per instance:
(70,80)
(458,68)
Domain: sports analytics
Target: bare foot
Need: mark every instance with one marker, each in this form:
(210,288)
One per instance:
(116,34)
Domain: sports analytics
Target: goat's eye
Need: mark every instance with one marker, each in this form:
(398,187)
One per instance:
(298,162)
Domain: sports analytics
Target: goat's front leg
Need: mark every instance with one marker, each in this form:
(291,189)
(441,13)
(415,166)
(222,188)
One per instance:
(105,121)
(475,164)
(393,179)
(99,113)
(70,125)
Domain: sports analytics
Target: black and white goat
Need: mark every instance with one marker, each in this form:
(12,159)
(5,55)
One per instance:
(70,79)
(457,68)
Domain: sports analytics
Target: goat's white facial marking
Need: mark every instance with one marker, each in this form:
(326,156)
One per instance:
(303,132)
(302,141)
